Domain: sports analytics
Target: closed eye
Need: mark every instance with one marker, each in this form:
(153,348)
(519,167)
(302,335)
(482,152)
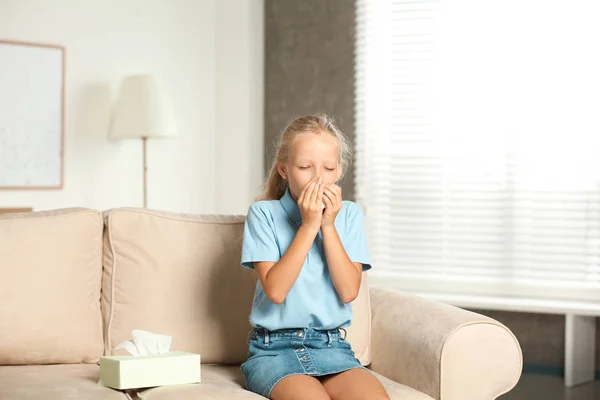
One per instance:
(304,167)
(330,169)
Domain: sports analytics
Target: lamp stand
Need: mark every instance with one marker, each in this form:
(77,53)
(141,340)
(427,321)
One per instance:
(144,140)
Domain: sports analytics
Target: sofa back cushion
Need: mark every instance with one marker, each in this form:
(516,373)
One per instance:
(180,275)
(51,268)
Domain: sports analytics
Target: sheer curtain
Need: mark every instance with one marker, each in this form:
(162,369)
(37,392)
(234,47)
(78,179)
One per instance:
(478,145)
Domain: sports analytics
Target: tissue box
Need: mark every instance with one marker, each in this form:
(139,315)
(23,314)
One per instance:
(129,372)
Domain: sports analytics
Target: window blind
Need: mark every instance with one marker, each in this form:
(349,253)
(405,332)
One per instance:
(478,145)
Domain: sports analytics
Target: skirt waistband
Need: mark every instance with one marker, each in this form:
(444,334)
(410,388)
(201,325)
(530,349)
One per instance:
(297,333)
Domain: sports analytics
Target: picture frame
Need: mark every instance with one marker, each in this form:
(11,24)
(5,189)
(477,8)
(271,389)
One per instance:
(32,116)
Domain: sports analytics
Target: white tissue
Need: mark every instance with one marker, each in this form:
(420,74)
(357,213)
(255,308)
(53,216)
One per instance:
(144,343)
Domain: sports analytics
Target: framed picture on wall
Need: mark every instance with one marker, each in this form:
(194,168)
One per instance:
(32,97)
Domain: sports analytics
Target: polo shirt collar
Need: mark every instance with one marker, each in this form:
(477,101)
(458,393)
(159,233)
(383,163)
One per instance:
(290,206)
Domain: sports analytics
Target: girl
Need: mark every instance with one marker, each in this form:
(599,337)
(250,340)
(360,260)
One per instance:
(308,249)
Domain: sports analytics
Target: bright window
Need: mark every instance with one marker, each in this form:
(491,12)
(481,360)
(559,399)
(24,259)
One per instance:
(478,145)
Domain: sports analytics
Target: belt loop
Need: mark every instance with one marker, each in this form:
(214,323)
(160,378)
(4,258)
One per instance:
(345,333)
(329,340)
(266,337)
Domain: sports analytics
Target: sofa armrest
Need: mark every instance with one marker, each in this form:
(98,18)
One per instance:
(443,351)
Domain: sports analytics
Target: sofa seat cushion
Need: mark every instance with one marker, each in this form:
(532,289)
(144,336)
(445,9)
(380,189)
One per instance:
(80,381)
(54,382)
(218,382)
(227,382)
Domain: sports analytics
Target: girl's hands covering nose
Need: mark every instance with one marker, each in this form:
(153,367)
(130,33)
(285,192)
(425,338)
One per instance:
(332,198)
(310,203)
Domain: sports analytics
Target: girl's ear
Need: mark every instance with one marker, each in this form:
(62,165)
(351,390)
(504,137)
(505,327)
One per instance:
(282,170)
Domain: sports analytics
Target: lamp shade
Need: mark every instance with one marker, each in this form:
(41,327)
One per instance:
(143,110)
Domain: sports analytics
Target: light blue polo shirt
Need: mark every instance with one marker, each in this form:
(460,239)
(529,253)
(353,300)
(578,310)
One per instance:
(313,301)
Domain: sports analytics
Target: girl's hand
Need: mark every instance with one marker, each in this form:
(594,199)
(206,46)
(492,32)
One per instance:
(332,197)
(310,203)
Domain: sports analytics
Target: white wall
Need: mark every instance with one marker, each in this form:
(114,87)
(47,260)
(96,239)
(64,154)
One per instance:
(239,102)
(176,40)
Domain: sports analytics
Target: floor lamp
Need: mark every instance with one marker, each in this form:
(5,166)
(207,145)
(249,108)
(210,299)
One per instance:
(143,112)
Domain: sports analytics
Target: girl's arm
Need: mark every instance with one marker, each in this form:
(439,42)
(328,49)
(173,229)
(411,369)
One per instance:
(345,275)
(278,278)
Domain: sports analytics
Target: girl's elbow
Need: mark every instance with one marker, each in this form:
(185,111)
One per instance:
(275,296)
(351,293)
(349,297)
(277,299)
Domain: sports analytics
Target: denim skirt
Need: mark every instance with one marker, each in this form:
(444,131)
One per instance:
(274,355)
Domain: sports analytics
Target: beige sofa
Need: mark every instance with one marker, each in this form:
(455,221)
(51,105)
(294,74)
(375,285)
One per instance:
(75,282)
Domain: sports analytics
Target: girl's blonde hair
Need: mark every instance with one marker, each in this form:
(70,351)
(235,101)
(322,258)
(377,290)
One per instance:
(275,186)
